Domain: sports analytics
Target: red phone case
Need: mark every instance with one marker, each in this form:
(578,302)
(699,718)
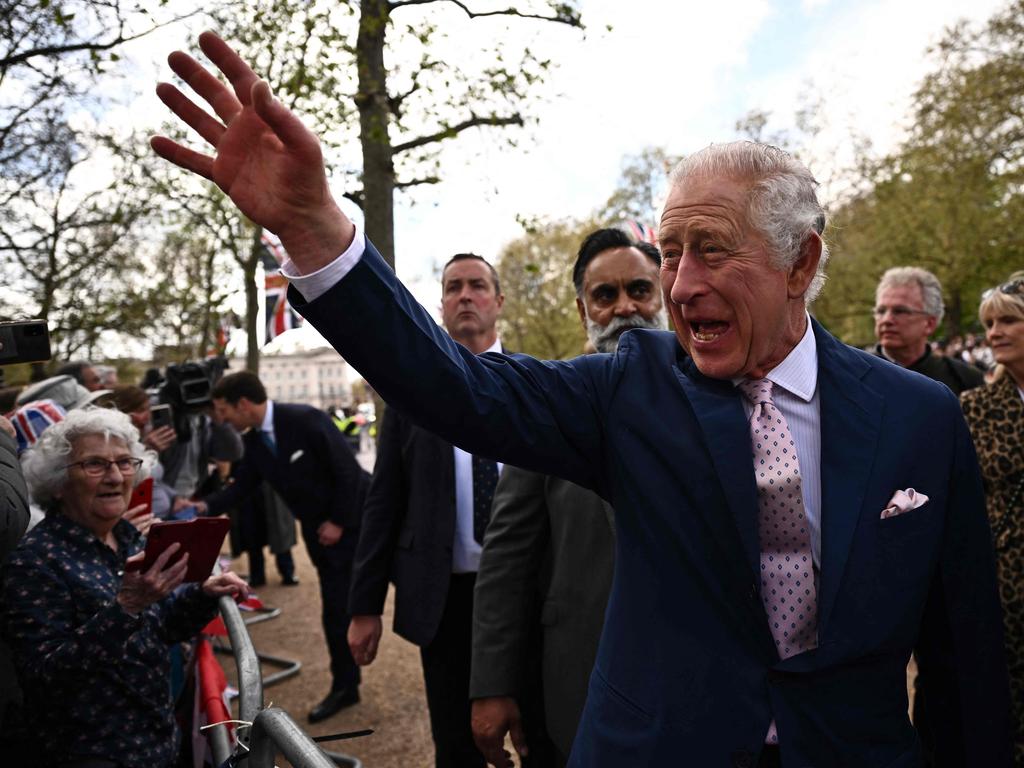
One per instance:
(201,538)
(143,494)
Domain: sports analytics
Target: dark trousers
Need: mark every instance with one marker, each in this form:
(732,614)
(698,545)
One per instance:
(334,569)
(446,677)
(446,661)
(257,569)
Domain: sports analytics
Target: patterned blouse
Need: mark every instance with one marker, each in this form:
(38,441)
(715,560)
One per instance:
(96,680)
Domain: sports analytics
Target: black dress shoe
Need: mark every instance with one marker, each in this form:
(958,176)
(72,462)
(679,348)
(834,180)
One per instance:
(335,701)
(290,581)
(257,582)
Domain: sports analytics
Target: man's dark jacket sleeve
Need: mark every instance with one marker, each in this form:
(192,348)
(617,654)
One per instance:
(14,515)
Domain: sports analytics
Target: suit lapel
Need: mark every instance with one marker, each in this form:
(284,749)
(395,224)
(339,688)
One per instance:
(719,412)
(851,417)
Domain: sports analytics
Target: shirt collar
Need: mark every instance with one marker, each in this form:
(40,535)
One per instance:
(268,418)
(127,535)
(798,372)
(495,347)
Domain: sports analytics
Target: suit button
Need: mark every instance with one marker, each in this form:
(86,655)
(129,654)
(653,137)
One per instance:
(742,759)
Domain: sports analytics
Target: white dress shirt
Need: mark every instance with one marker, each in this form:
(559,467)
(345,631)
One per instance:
(795,393)
(466,550)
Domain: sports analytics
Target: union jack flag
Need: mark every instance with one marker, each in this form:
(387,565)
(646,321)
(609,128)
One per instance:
(280,316)
(32,419)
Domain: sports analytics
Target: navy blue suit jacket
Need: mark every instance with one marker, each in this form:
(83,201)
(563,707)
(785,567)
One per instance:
(313,470)
(687,672)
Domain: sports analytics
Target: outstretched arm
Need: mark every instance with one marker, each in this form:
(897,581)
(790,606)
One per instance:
(265,159)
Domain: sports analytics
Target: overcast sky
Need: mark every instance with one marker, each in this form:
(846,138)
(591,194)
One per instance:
(671,74)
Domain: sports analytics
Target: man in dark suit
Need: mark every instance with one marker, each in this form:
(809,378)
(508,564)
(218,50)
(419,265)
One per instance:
(305,459)
(549,552)
(422,530)
(761,613)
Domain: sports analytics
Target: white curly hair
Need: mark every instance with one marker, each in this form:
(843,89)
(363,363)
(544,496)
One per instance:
(44,463)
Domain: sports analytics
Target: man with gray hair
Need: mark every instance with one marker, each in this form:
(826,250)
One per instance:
(908,308)
(793,517)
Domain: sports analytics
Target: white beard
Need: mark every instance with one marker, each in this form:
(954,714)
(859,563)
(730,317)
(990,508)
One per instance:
(605,338)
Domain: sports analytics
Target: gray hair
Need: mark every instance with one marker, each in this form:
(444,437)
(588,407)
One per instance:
(782,204)
(931,288)
(44,463)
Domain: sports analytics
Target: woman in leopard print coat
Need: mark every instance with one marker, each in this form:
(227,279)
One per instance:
(995,414)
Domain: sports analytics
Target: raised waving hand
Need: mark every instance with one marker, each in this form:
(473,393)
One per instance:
(265,159)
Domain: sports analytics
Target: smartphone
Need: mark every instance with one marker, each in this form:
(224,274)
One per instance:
(24,341)
(143,494)
(161,416)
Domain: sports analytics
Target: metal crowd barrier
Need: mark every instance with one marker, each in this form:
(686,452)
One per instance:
(272,728)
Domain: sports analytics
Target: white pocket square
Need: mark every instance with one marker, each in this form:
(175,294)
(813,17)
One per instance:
(904,501)
(298,455)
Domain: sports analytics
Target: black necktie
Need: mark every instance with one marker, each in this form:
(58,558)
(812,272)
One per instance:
(485,477)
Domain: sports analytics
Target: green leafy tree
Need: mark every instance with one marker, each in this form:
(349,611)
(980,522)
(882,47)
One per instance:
(540,317)
(948,199)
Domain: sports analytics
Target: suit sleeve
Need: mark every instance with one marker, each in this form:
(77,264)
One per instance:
(504,600)
(349,486)
(544,416)
(246,480)
(960,652)
(383,513)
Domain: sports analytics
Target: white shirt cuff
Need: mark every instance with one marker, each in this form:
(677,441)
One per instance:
(316,284)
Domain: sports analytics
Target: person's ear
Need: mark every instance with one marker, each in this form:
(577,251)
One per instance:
(805,267)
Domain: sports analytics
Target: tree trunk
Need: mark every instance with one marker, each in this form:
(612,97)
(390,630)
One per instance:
(252,307)
(954,315)
(374,114)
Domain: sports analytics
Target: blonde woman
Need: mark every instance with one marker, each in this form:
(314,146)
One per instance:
(995,414)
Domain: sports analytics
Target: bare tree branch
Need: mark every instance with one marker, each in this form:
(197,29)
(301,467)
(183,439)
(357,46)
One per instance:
(455,130)
(564,14)
(356,197)
(417,182)
(59,50)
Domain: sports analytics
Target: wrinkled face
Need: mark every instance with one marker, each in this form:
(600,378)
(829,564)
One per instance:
(469,304)
(620,291)
(734,312)
(91,379)
(242,415)
(900,320)
(1004,332)
(96,502)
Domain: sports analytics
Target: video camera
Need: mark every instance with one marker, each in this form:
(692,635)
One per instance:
(186,388)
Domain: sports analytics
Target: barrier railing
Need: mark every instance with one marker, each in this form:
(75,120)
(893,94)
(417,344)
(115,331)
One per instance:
(272,728)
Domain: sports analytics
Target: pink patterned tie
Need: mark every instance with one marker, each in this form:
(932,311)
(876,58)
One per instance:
(787,567)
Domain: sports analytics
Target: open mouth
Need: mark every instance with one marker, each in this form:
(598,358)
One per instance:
(708,330)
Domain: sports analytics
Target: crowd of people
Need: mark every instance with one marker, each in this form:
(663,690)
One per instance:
(717,545)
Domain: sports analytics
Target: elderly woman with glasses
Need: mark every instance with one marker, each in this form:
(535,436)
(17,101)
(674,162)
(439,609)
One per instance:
(90,640)
(995,414)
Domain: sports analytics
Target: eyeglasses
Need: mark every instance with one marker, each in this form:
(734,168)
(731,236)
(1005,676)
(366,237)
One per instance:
(898,311)
(100,467)
(1011,288)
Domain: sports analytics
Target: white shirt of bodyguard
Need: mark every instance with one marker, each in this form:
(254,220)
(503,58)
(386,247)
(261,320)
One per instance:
(795,392)
(465,550)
